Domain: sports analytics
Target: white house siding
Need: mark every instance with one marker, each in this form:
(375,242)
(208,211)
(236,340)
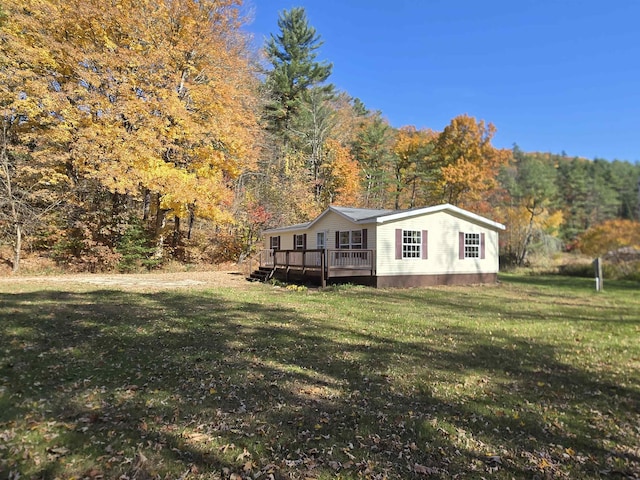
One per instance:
(443,259)
(330,224)
(333,222)
(286,239)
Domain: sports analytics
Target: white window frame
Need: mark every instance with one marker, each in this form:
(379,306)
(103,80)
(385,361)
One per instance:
(321,239)
(411,244)
(471,245)
(350,239)
(298,242)
(356,239)
(274,243)
(344,240)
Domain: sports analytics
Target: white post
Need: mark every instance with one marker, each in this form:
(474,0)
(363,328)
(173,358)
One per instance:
(599,280)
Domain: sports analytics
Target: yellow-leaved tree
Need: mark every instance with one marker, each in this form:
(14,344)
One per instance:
(618,241)
(32,166)
(157,100)
(466,164)
(611,236)
(341,181)
(410,162)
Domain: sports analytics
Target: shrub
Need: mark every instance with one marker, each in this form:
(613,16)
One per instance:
(136,249)
(583,270)
(78,251)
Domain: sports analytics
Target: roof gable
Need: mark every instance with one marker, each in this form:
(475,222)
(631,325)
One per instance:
(446,207)
(358,214)
(380,216)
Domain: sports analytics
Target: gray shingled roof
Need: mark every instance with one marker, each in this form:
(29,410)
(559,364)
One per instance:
(367,215)
(358,214)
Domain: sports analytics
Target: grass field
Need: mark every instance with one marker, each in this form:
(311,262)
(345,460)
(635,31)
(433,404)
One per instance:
(537,377)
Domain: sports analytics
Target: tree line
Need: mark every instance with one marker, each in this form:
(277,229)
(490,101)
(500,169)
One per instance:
(137,132)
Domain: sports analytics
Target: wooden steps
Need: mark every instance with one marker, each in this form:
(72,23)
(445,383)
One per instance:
(263,274)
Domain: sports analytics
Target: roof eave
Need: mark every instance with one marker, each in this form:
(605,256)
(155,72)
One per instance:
(439,208)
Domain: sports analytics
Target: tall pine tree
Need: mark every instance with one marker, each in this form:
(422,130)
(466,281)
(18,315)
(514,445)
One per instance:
(293,54)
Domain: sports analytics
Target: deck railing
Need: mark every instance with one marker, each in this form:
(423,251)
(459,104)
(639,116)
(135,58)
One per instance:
(298,258)
(266,258)
(325,263)
(351,259)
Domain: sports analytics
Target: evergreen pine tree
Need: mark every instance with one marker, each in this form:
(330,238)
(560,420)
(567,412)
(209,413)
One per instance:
(293,54)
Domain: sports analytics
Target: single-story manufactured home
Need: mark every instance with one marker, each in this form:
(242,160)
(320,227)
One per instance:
(436,245)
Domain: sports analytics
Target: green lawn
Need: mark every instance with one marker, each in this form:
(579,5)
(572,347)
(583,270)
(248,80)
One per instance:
(537,377)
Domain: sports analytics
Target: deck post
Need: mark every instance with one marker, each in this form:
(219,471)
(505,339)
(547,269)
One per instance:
(323,278)
(372,259)
(286,274)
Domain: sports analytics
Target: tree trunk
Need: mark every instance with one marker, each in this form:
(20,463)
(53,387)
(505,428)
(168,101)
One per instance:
(413,192)
(146,206)
(11,200)
(192,221)
(161,221)
(18,248)
(176,232)
(398,189)
(527,237)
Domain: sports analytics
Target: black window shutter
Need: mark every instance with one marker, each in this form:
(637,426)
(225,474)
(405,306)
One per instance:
(364,238)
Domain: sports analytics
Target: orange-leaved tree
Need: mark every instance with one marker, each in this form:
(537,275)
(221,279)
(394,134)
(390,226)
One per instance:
(617,240)
(610,236)
(465,163)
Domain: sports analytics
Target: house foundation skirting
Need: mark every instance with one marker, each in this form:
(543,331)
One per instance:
(395,281)
(404,281)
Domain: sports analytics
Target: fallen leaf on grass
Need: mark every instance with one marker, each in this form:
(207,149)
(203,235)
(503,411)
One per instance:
(423,470)
(58,451)
(243,455)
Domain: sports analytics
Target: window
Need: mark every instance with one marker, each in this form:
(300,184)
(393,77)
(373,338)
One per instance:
(320,244)
(274,243)
(299,242)
(471,245)
(351,239)
(345,239)
(411,244)
(356,239)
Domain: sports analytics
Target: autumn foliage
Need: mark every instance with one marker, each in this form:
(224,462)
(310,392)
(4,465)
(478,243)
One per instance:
(610,236)
(151,103)
(151,130)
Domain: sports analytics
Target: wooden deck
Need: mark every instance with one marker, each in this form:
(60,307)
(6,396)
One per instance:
(322,265)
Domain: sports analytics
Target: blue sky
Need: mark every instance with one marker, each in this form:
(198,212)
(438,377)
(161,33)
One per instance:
(551,75)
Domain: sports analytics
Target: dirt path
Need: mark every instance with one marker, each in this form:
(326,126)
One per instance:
(213,279)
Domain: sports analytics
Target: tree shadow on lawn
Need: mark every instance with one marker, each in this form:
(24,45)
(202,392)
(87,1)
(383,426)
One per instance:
(538,305)
(569,282)
(149,385)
